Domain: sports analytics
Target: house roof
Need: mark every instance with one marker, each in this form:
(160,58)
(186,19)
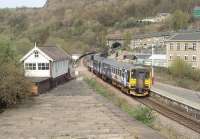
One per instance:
(189,36)
(54,52)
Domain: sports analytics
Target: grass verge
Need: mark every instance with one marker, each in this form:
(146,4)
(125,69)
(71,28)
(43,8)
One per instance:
(141,113)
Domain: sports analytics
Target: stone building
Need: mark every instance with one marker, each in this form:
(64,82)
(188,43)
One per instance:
(116,40)
(185,46)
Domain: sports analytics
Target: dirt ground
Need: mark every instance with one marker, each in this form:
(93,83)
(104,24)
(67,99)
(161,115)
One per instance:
(71,111)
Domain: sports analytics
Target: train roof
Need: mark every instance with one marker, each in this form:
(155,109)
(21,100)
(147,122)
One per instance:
(118,64)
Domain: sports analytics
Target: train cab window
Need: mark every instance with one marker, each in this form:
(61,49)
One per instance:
(145,74)
(133,74)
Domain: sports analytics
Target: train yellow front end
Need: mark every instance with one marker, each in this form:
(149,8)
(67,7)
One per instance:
(140,82)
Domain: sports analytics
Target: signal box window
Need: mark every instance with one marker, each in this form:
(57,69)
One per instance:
(43,66)
(36,54)
(30,66)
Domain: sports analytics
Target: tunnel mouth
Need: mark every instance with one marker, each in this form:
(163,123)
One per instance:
(116,45)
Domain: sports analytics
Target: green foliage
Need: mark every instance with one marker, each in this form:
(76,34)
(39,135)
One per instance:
(127,40)
(13,85)
(141,113)
(39,34)
(67,21)
(180,68)
(18,23)
(129,23)
(23,46)
(144,115)
(179,20)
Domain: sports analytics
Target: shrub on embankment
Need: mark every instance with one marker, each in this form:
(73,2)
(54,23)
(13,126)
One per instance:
(13,85)
(141,113)
(181,69)
(180,73)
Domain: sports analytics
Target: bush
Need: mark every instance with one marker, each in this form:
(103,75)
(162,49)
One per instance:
(144,114)
(179,68)
(131,22)
(13,85)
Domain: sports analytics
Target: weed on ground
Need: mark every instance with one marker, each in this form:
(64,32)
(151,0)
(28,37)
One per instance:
(140,113)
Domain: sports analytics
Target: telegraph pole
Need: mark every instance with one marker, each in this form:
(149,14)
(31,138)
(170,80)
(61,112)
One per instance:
(152,62)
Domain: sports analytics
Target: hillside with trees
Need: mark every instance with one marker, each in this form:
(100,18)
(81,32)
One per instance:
(82,25)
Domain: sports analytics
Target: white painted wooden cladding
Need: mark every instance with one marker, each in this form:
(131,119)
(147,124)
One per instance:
(59,68)
(56,68)
(36,73)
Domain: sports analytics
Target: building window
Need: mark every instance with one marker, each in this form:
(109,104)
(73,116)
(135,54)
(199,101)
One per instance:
(43,66)
(194,58)
(178,46)
(194,46)
(186,57)
(170,57)
(171,46)
(36,53)
(30,66)
(186,46)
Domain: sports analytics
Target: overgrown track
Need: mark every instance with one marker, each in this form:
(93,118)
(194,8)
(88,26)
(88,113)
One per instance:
(171,113)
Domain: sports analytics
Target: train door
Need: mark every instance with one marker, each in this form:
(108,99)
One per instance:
(141,75)
(99,69)
(124,76)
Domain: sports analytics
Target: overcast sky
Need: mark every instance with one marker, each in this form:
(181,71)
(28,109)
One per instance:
(21,3)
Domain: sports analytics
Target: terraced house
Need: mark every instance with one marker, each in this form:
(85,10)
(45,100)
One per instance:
(185,46)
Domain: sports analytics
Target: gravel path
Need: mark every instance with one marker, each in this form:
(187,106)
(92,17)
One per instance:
(71,111)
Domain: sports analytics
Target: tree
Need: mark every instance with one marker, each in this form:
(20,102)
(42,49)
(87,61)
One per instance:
(13,85)
(18,23)
(179,20)
(39,35)
(101,40)
(179,68)
(127,40)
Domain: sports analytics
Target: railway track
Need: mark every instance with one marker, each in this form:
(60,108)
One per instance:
(171,113)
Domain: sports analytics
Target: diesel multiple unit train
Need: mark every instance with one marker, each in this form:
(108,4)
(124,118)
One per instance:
(130,78)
